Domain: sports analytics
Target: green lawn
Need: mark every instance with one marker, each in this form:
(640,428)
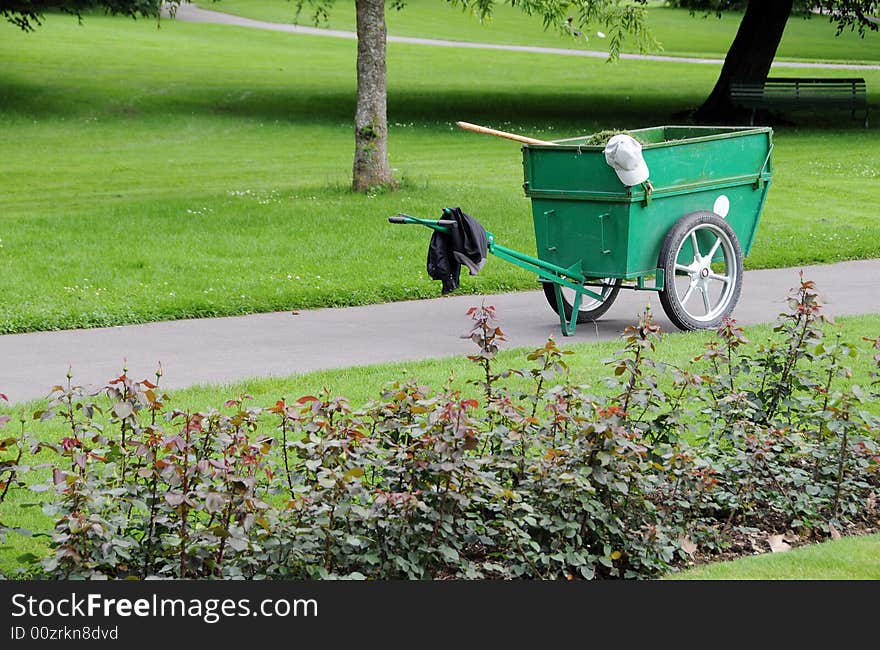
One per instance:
(850,558)
(679,33)
(363,384)
(199,170)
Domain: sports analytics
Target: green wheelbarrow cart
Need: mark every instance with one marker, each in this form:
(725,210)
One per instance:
(683,234)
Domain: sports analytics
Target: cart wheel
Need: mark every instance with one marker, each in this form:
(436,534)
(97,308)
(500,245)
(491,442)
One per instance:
(700,292)
(591,308)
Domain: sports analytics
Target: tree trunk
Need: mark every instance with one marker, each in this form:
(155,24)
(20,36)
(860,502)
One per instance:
(749,56)
(371,121)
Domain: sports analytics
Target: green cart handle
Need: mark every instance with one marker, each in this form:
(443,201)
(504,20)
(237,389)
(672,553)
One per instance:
(570,278)
(441,225)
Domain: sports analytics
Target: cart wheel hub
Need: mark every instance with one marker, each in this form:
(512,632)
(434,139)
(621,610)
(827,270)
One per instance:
(704,272)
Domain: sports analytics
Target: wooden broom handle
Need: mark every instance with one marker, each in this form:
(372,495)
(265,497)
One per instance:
(476,128)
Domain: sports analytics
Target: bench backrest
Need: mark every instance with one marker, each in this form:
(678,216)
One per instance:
(793,90)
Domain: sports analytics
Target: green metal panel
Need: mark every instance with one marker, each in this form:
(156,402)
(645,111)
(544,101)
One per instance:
(569,167)
(689,157)
(584,215)
(593,234)
(649,225)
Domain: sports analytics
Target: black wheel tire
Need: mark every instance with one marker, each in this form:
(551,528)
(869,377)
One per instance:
(587,313)
(672,302)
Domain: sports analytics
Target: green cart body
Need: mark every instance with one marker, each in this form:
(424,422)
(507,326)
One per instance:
(692,223)
(586,218)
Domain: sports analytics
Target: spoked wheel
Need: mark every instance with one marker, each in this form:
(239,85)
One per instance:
(591,308)
(703,267)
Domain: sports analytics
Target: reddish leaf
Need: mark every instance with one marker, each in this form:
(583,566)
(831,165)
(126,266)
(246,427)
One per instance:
(148,384)
(174,442)
(3,397)
(307,399)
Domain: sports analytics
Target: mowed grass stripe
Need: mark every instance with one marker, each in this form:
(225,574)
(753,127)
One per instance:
(850,558)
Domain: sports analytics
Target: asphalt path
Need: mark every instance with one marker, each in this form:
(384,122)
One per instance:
(193,13)
(220,350)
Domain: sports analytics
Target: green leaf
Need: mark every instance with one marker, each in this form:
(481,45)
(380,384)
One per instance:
(174,498)
(448,553)
(213,502)
(122,410)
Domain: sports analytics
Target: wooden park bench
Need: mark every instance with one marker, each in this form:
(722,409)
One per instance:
(801,93)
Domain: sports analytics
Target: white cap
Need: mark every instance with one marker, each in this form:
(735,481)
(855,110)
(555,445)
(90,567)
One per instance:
(624,154)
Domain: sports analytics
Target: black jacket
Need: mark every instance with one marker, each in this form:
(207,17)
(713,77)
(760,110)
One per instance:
(465,243)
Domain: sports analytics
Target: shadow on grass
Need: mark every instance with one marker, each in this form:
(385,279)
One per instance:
(24,99)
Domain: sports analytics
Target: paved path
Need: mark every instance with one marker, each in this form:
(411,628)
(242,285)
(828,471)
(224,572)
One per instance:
(193,13)
(227,349)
